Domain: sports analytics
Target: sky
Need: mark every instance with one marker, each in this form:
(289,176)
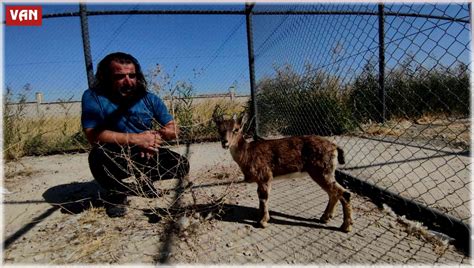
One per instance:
(210,51)
(192,48)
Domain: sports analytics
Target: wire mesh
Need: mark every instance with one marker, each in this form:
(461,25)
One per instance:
(320,74)
(181,56)
(316,68)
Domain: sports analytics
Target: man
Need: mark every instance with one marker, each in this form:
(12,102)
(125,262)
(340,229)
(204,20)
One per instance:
(118,115)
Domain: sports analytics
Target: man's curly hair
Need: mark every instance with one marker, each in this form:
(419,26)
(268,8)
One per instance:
(103,77)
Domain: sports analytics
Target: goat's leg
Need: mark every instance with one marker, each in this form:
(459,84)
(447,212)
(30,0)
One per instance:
(329,211)
(326,182)
(347,210)
(263,191)
(336,193)
(344,197)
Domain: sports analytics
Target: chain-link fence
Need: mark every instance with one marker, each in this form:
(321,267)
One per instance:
(195,55)
(389,83)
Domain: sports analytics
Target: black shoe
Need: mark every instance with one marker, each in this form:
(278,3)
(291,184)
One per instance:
(116,211)
(115,205)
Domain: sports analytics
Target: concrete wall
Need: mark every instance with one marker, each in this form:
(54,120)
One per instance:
(61,109)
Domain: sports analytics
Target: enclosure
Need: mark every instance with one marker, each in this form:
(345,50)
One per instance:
(389,83)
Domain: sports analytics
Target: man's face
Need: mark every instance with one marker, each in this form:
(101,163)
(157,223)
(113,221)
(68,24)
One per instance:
(124,78)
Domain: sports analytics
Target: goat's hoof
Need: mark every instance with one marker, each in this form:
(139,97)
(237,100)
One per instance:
(325,219)
(263,224)
(346,228)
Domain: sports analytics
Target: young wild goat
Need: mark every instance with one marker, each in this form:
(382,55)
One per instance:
(262,160)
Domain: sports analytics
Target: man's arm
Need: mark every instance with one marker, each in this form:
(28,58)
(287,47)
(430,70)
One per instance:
(147,140)
(170,131)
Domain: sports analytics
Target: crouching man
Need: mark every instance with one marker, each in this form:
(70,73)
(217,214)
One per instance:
(118,113)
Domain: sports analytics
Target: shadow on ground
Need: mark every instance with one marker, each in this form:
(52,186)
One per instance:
(72,198)
(236,214)
(76,197)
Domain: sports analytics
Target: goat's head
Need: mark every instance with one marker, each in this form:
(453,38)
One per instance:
(230,130)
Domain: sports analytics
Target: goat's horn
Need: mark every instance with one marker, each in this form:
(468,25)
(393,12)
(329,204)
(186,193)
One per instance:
(244,119)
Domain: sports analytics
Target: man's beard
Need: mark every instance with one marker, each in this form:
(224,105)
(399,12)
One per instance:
(127,94)
(127,91)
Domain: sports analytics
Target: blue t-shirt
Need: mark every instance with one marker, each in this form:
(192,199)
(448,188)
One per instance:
(99,112)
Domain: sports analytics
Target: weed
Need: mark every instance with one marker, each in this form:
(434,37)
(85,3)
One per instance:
(26,135)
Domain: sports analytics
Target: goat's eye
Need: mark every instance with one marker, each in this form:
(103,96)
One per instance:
(235,130)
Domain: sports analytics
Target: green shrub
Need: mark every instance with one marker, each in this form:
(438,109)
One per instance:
(289,103)
(411,91)
(315,102)
(364,100)
(38,135)
(13,123)
(311,103)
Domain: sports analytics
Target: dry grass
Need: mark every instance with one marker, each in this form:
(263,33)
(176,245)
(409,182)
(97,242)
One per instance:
(452,131)
(49,127)
(86,244)
(417,229)
(15,174)
(14,171)
(38,136)
(195,121)
(203,109)
(394,128)
(92,237)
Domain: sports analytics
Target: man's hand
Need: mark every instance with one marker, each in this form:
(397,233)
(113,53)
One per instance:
(149,141)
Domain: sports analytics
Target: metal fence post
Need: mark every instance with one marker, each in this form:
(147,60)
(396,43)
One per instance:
(86,44)
(469,7)
(381,79)
(253,108)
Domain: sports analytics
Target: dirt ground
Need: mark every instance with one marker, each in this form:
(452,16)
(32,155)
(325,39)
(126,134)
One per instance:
(53,214)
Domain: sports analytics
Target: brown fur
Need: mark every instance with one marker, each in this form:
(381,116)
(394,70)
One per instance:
(262,160)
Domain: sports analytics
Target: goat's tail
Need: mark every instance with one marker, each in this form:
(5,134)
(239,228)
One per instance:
(340,156)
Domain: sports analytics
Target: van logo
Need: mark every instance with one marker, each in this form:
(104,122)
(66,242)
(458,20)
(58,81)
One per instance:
(23,15)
